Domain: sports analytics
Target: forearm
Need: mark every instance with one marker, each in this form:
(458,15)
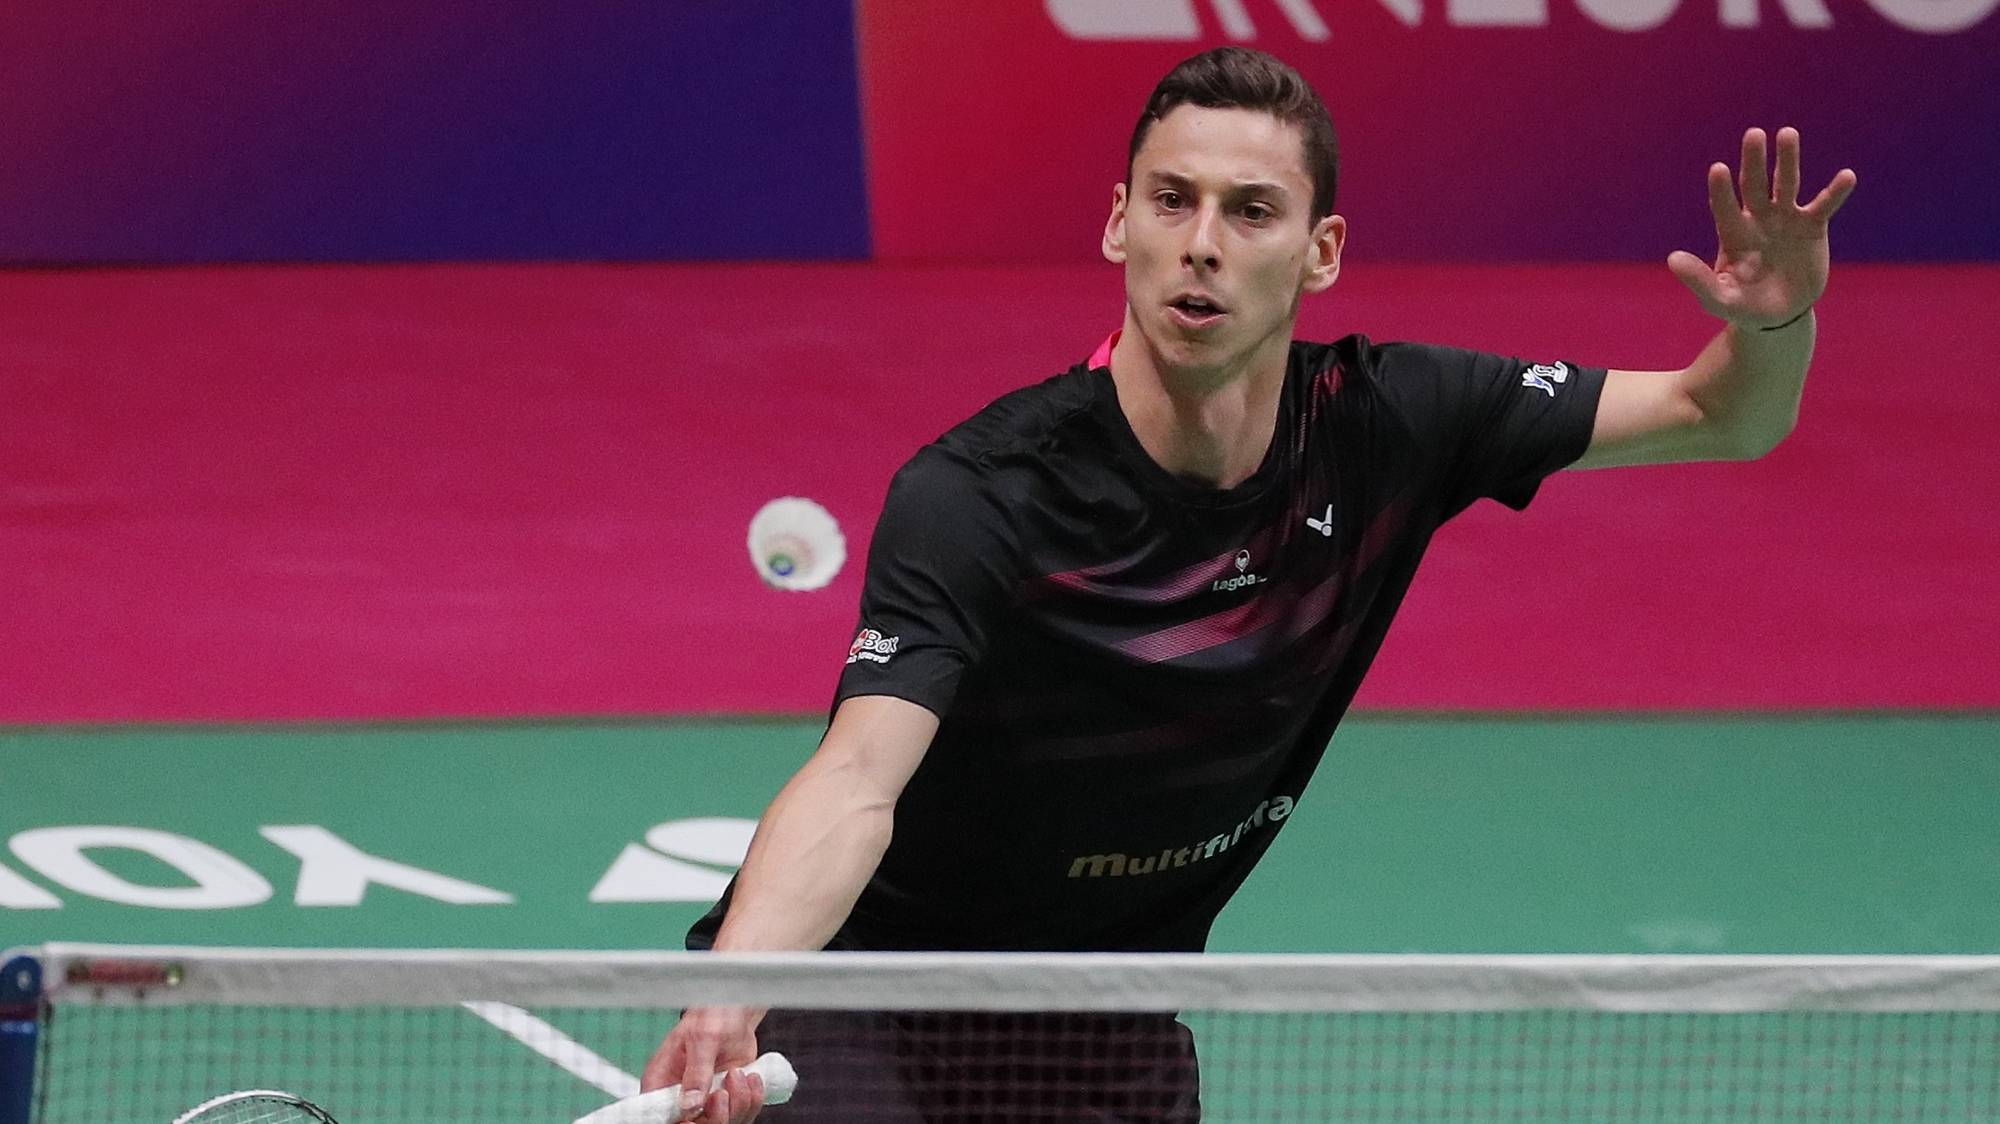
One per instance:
(815,849)
(1748,384)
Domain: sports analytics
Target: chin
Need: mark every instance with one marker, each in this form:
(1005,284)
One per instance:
(1194,351)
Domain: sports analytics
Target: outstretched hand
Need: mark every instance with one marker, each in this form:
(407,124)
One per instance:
(1772,264)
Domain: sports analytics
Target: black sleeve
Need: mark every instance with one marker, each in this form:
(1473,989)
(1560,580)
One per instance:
(941,574)
(1489,426)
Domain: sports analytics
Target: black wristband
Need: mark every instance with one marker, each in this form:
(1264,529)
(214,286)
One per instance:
(1788,323)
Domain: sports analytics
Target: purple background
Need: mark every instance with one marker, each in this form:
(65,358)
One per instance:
(321,130)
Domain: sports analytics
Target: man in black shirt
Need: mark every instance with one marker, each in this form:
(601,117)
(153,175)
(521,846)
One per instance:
(1111,621)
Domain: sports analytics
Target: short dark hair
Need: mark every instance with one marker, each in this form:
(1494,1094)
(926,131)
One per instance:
(1244,78)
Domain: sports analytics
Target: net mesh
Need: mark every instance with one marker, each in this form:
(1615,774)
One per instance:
(1550,1059)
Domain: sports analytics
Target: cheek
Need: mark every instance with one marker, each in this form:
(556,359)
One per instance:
(1145,261)
(1278,280)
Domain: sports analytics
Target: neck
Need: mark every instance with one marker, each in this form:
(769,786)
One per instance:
(1209,425)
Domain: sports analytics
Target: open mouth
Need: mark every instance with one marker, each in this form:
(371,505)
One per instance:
(1196,310)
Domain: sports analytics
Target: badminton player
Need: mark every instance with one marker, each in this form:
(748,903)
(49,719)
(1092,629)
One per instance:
(1110,622)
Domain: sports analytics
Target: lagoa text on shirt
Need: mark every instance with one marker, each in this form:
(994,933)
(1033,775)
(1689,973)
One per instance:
(1243,576)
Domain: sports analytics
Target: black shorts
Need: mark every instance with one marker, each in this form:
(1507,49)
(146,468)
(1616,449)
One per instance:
(959,1067)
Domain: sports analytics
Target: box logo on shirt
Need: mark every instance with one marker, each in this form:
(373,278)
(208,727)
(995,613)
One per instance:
(872,646)
(1546,376)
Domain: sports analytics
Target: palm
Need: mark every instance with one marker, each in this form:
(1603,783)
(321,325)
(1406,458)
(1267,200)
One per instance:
(1772,264)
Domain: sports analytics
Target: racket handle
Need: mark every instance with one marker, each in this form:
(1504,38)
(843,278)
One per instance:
(663,1106)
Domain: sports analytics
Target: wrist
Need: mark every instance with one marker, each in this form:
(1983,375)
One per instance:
(1803,313)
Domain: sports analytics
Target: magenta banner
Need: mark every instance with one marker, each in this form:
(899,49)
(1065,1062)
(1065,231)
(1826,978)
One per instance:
(1483,129)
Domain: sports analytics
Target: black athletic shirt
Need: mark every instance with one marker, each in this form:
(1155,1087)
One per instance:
(1136,674)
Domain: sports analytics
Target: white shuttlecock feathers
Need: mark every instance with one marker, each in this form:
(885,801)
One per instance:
(796,544)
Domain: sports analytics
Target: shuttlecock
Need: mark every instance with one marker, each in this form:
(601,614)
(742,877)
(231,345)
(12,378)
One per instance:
(796,544)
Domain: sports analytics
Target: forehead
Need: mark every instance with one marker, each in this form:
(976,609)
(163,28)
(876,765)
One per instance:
(1224,145)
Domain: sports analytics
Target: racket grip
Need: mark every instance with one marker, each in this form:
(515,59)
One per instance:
(663,1106)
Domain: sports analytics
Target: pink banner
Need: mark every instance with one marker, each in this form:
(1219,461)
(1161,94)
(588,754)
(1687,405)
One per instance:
(424,492)
(1488,129)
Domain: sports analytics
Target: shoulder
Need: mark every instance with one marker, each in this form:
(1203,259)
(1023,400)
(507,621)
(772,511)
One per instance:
(1357,359)
(1382,362)
(986,453)
(1021,420)
(1356,375)
(1388,387)
(1399,376)
(986,467)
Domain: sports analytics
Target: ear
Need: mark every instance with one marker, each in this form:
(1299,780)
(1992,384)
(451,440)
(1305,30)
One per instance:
(1114,228)
(1323,263)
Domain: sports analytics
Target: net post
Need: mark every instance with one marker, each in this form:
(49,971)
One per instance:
(20,1026)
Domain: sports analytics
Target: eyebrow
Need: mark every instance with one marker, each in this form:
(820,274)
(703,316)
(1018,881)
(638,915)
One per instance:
(1241,187)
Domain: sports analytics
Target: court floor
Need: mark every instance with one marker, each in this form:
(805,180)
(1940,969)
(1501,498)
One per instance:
(1819,833)
(1806,833)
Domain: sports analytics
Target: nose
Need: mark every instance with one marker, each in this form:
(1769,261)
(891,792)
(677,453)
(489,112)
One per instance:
(1204,248)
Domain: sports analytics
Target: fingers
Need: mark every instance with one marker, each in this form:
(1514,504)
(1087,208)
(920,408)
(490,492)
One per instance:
(708,1038)
(1729,221)
(1786,190)
(694,1080)
(665,1067)
(1833,195)
(737,1101)
(1754,182)
(746,1095)
(1698,277)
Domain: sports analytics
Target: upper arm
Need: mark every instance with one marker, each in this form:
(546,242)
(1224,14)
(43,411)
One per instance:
(1488,426)
(1649,417)
(942,574)
(879,741)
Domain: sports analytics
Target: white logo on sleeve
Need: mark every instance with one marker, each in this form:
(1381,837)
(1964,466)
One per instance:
(1546,377)
(872,646)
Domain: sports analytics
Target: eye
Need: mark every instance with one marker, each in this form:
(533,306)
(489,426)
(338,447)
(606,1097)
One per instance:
(1169,200)
(1257,212)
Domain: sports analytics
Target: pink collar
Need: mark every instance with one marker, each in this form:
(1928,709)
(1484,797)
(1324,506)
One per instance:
(1102,356)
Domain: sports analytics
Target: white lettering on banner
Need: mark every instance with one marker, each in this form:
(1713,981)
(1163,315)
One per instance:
(220,882)
(1235,21)
(672,871)
(333,871)
(1496,13)
(16,892)
(1629,15)
(1305,18)
(1936,17)
(1178,20)
(1124,19)
(1801,13)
